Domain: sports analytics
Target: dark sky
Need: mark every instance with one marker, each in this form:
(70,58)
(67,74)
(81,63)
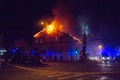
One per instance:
(18,17)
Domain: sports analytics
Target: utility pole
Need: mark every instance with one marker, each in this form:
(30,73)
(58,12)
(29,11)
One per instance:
(84,44)
(83,55)
(85,31)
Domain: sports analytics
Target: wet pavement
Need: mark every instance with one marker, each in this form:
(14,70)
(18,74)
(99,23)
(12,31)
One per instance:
(61,71)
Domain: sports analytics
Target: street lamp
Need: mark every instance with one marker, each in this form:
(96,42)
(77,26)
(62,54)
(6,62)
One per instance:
(42,23)
(100,48)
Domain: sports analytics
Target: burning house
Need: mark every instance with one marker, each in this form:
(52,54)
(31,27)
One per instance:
(55,45)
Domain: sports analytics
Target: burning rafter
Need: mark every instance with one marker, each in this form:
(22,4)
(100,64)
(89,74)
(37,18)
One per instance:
(75,38)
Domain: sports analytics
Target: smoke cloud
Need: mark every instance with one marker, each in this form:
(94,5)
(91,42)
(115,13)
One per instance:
(64,13)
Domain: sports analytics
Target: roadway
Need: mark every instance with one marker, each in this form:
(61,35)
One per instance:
(61,71)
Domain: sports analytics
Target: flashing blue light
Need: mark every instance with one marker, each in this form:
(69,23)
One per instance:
(118,54)
(50,53)
(76,52)
(110,51)
(14,51)
(33,52)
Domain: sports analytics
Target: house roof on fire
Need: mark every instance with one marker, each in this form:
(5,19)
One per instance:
(61,34)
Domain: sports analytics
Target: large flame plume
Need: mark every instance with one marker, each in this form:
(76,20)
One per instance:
(51,28)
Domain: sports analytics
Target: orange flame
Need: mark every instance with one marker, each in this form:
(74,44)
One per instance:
(50,28)
(53,27)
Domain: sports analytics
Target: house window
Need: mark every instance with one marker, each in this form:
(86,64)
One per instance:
(61,57)
(55,58)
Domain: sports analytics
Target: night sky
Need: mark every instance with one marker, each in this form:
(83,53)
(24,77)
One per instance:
(18,17)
